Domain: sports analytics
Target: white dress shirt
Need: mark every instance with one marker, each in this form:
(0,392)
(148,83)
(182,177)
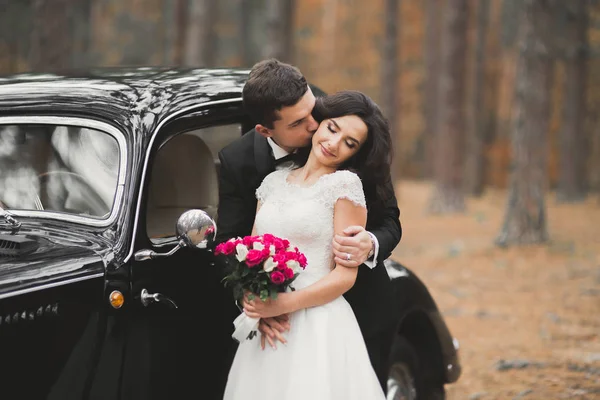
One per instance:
(278,153)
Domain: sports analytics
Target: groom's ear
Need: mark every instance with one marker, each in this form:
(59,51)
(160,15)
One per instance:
(262,130)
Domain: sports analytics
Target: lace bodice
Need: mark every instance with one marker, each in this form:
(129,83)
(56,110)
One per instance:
(304,215)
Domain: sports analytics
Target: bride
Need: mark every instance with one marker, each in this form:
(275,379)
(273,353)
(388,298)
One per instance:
(324,356)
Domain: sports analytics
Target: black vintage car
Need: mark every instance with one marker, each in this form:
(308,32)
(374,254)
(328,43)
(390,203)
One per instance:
(109,192)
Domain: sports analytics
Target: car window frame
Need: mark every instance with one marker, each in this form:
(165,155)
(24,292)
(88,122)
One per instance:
(187,119)
(80,122)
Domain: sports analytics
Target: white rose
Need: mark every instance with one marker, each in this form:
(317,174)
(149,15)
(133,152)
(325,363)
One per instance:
(294,265)
(258,246)
(241,252)
(272,250)
(269,264)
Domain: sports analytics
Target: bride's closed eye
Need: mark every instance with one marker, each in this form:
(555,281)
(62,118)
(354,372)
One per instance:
(331,128)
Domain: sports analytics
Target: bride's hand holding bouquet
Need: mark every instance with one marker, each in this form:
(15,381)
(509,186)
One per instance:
(259,268)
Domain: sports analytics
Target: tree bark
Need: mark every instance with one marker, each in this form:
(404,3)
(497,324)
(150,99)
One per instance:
(475,158)
(573,155)
(51,44)
(525,219)
(448,194)
(200,35)
(390,75)
(279,30)
(246,33)
(432,61)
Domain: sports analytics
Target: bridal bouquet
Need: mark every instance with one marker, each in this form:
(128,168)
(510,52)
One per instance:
(263,265)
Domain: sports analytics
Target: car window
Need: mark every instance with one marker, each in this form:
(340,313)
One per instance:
(66,169)
(184,176)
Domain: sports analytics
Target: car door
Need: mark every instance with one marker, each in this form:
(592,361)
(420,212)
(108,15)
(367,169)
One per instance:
(52,264)
(189,329)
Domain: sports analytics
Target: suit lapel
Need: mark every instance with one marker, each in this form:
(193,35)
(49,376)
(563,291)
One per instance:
(262,156)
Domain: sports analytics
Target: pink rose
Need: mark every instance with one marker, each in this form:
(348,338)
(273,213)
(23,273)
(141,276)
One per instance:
(226,248)
(302,260)
(289,255)
(280,259)
(289,273)
(249,240)
(268,238)
(277,277)
(255,257)
(278,243)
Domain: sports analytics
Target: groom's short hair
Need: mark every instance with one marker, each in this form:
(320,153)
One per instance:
(271,86)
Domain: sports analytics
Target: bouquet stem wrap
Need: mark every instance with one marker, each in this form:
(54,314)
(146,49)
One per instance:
(245,327)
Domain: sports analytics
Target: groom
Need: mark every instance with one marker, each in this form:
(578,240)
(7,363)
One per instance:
(279,100)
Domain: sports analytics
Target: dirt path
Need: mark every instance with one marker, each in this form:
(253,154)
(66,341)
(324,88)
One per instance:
(528,319)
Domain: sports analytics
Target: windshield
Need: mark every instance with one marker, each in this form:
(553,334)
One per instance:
(66,169)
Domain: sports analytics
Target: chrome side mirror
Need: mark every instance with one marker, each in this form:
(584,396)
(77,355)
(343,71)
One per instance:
(194,229)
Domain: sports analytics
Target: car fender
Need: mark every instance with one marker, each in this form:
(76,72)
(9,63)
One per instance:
(419,320)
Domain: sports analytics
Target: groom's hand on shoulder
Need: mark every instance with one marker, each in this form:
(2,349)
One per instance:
(353,247)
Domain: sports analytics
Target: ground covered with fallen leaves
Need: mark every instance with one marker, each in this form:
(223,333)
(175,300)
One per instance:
(527,318)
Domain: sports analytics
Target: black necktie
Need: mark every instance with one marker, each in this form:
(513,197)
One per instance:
(289,157)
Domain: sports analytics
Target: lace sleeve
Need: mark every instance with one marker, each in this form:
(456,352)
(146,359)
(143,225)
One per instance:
(266,187)
(348,186)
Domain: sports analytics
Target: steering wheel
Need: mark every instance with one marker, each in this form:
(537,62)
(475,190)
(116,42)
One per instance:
(90,202)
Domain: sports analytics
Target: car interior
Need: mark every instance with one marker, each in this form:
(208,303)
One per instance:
(185,176)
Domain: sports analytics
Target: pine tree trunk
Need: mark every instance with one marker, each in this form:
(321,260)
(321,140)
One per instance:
(390,74)
(573,155)
(448,194)
(51,44)
(200,35)
(475,161)
(246,33)
(432,65)
(279,29)
(525,219)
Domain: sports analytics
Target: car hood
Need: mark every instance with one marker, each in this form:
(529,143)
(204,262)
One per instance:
(31,261)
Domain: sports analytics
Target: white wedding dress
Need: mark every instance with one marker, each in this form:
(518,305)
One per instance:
(325,357)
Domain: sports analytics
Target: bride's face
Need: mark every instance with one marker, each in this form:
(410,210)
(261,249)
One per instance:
(338,139)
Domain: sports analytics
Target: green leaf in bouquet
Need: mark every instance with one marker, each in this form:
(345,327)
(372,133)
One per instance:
(251,296)
(238,292)
(273,293)
(264,294)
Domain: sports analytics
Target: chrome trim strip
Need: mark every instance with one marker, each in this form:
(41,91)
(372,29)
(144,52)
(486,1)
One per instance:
(149,149)
(51,285)
(87,123)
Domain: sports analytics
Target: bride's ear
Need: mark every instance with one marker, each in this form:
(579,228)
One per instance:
(262,130)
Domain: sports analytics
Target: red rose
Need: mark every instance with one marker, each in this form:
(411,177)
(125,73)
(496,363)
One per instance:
(289,273)
(254,257)
(277,277)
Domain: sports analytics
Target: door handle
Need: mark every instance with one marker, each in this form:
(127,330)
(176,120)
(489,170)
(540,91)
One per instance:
(148,298)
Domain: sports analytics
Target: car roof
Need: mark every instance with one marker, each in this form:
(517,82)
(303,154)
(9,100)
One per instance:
(131,98)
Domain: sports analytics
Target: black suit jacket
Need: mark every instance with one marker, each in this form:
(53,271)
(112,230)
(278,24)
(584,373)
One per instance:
(244,165)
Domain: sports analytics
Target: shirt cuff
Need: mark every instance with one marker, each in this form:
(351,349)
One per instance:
(372,262)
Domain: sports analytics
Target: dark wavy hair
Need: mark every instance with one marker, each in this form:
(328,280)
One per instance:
(373,160)
(271,86)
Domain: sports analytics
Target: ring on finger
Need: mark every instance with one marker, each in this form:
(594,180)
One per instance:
(348,257)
